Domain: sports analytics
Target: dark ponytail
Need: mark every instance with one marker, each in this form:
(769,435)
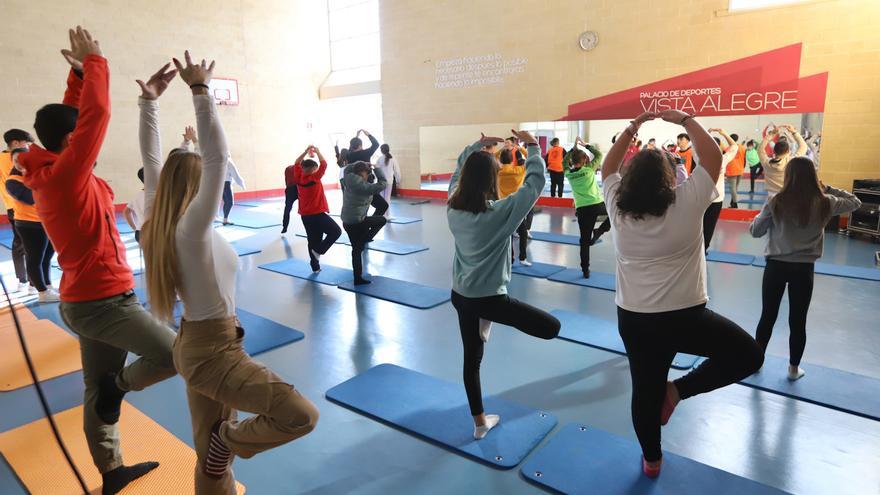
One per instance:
(387,152)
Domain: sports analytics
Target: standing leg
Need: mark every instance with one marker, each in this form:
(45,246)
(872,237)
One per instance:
(18,255)
(290,196)
(772,289)
(523,232)
(228,201)
(738,179)
(34,240)
(800,293)
(47,261)
(313,236)
(710,220)
(380,205)
(356,235)
(753,172)
(731,183)
(469,326)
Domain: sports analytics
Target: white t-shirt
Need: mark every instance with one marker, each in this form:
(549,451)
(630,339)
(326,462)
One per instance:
(661,263)
(136,207)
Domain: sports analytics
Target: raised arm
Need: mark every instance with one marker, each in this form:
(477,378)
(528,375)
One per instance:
(198,219)
(374,144)
(232,170)
(148,131)
(762,223)
(842,201)
(302,155)
(322,164)
(614,158)
(762,150)
(463,156)
(802,145)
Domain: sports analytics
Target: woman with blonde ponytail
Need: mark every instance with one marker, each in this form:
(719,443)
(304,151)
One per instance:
(186,256)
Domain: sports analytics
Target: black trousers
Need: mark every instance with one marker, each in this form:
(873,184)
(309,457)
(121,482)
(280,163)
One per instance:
(799,279)
(653,339)
(500,309)
(291,194)
(360,234)
(754,172)
(380,206)
(586,217)
(38,253)
(557,180)
(228,200)
(321,232)
(18,253)
(523,232)
(710,220)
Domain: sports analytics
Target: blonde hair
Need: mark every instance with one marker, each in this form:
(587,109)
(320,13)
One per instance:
(178,185)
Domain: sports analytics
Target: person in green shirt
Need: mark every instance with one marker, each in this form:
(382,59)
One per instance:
(588,202)
(753,160)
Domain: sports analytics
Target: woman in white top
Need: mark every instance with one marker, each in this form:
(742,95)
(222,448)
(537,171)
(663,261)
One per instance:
(710,217)
(661,296)
(391,169)
(186,256)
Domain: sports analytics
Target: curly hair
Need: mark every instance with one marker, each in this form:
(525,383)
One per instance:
(648,187)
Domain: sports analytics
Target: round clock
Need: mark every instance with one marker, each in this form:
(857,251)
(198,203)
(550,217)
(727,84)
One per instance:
(588,40)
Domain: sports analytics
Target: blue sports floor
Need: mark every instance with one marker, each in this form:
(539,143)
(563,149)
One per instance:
(795,446)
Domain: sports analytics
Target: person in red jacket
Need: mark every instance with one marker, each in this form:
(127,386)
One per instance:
(321,230)
(97,297)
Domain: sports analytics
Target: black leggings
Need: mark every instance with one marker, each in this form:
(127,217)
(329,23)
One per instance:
(17,250)
(317,226)
(360,234)
(38,252)
(523,232)
(557,180)
(291,194)
(653,339)
(500,309)
(586,217)
(379,204)
(754,172)
(799,278)
(710,220)
(228,200)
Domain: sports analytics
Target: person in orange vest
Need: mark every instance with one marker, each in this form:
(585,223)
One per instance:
(14,138)
(685,151)
(38,250)
(555,156)
(734,171)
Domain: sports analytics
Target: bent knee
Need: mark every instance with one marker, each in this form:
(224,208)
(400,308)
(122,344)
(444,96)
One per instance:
(303,417)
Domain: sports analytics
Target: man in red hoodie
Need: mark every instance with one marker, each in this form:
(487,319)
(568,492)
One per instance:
(97,297)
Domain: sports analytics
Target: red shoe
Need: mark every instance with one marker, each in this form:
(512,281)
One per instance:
(651,472)
(668,408)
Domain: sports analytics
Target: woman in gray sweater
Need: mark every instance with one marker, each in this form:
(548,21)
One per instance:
(795,220)
(360,183)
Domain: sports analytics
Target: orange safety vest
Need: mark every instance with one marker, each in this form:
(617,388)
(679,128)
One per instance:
(554,158)
(24,212)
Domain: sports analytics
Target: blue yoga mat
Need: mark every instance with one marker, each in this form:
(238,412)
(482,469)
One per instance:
(243,217)
(400,292)
(747,193)
(246,247)
(574,240)
(827,387)
(602,334)
(859,272)
(597,280)
(124,228)
(403,220)
(10,481)
(735,258)
(581,459)
(437,410)
(22,406)
(747,201)
(539,270)
(329,275)
(263,335)
(6,242)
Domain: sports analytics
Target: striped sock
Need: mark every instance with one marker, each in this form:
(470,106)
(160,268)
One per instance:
(219,456)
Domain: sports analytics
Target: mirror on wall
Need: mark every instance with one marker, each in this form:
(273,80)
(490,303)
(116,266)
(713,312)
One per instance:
(439,146)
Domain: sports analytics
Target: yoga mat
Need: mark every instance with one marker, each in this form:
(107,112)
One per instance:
(747,193)
(124,228)
(424,201)
(400,292)
(261,334)
(437,410)
(574,240)
(6,242)
(22,406)
(329,275)
(539,270)
(54,352)
(403,220)
(253,220)
(597,280)
(9,481)
(747,201)
(21,311)
(245,248)
(735,258)
(581,459)
(382,245)
(33,455)
(602,334)
(827,387)
(834,270)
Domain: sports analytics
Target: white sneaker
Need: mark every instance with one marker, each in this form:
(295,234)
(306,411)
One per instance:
(796,374)
(485,330)
(529,234)
(525,262)
(23,287)
(48,296)
(491,421)
(32,290)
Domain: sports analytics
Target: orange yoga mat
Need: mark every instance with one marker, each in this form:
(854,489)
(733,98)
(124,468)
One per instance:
(54,352)
(32,453)
(21,311)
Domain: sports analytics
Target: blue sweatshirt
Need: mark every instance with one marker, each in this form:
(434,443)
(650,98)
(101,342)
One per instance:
(481,267)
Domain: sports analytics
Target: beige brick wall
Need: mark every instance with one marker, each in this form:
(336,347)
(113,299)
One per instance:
(640,41)
(268,46)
